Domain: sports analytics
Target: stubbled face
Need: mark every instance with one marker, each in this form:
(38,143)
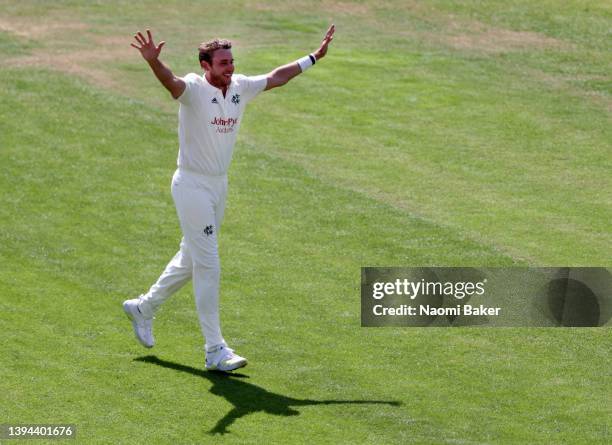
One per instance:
(219,74)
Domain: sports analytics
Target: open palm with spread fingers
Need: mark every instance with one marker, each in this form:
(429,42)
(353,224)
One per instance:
(147,48)
(329,36)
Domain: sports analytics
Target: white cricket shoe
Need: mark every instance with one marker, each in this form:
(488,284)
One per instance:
(143,327)
(224,359)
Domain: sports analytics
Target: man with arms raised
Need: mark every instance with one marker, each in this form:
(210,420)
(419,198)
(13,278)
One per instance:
(210,114)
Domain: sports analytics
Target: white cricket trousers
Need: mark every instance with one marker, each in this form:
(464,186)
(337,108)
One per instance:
(200,204)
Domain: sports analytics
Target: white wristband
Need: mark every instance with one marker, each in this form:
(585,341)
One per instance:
(306,62)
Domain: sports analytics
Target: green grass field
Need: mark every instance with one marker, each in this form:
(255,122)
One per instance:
(434,133)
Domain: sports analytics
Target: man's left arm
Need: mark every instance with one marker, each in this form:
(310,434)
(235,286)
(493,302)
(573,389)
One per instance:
(283,74)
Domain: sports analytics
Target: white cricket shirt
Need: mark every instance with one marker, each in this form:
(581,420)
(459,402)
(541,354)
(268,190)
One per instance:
(209,122)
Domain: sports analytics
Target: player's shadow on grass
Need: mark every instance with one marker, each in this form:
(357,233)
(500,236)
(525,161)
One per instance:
(248,398)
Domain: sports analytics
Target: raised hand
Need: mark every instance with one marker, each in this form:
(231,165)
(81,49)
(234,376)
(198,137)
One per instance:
(147,48)
(329,36)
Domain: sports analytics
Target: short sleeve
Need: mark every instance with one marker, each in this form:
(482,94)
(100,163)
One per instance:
(191,81)
(251,86)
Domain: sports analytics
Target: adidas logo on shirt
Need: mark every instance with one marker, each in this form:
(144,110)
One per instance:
(214,101)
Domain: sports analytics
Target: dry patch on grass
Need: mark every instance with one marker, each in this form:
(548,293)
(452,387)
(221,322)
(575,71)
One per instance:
(503,40)
(38,29)
(67,46)
(476,37)
(89,64)
(472,35)
(564,83)
(71,63)
(325,6)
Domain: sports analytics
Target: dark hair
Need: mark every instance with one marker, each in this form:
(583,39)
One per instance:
(207,49)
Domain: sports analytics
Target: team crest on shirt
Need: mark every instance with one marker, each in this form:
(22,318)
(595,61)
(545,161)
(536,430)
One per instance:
(236,99)
(209,230)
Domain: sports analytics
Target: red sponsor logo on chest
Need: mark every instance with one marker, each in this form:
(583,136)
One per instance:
(229,122)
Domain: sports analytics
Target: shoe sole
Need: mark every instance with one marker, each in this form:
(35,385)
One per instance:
(130,316)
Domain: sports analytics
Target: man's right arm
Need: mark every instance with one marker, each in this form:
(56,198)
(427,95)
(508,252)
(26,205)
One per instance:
(150,53)
(174,84)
